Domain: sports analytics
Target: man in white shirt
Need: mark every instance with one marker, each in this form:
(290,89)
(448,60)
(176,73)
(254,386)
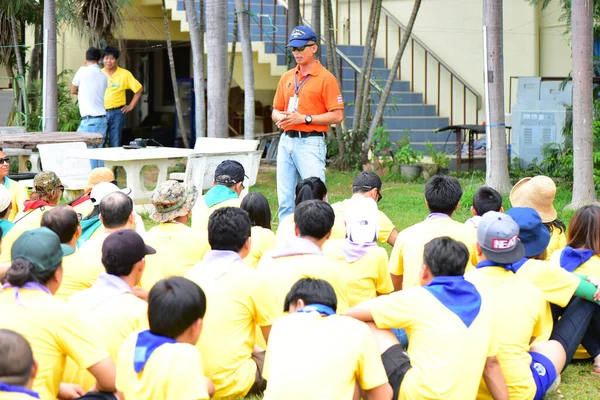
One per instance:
(90,83)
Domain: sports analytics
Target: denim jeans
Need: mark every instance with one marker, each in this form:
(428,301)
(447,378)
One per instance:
(94,125)
(116,123)
(401,336)
(297,158)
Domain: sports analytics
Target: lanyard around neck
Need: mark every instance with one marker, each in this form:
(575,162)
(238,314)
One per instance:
(299,85)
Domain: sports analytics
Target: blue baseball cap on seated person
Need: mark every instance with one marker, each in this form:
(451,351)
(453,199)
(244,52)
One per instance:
(532,232)
(301,35)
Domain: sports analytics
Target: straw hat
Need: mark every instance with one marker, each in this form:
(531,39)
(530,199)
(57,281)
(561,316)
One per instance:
(538,193)
(101,174)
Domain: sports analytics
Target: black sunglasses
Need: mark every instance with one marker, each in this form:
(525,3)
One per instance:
(301,48)
(5,160)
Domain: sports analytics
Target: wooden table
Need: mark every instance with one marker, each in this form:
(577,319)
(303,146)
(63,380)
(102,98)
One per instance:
(472,131)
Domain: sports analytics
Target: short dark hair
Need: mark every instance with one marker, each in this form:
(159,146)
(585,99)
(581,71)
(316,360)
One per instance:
(61,220)
(365,182)
(16,360)
(311,291)
(443,194)
(314,218)
(486,199)
(92,54)
(257,207)
(446,257)
(174,304)
(115,267)
(228,229)
(115,210)
(111,51)
(311,188)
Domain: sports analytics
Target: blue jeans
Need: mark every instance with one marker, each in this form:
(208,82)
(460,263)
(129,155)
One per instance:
(94,125)
(297,158)
(401,336)
(116,123)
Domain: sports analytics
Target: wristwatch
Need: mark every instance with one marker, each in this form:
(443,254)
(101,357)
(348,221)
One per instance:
(308,119)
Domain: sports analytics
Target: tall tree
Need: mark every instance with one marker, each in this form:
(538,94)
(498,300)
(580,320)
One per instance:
(315,21)
(496,159)
(216,35)
(50,100)
(234,40)
(293,20)
(197,43)
(582,25)
(244,29)
(172,70)
(390,81)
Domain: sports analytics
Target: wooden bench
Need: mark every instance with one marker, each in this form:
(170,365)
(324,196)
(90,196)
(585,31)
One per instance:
(270,142)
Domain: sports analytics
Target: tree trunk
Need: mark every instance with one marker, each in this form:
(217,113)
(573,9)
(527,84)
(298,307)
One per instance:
(316,23)
(50,107)
(249,112)
(11,112)
(19,82)
(369,67)
(234,40)
(293,20)
(197,43)
(583,136)
(36,65)
(216,15)
(388,84)
(496,160)
(178,109)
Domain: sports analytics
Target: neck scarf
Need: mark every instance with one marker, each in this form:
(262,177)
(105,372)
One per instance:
(33,204)
(355,251)
(106,287)
(295,247)
(5,387)
(458,295)
(146,343)
(514,267)
(437,216)
(28,286)
(320,308)
(219,194)
(571,259)
(88,227)
(217,263)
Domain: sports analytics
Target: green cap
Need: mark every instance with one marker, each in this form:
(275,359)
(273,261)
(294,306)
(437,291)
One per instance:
(41,247)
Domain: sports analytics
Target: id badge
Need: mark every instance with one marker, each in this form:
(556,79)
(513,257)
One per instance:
(293,104)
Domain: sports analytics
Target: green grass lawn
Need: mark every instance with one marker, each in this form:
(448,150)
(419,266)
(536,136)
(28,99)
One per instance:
(404,204)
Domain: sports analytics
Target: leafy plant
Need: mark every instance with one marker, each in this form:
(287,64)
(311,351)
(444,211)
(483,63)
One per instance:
(352,160)
(406,154)
(439,158)
(68,110)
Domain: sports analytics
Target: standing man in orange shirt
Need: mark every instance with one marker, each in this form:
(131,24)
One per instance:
(307,101)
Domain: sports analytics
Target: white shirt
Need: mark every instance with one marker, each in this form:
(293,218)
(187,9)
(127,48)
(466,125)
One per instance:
(91,83)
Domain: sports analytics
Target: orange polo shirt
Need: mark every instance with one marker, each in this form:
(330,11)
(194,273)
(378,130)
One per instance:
(318,94)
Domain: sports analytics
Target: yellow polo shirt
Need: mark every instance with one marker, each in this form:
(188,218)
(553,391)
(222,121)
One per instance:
(118,84)
(518,309)
(173,372)
(178,248)
(54,332)
(367,276)
(558,241)
(19,195)
(15,396)
(286,229)
(386,226)
(297,340)
(201,213)
(263,240)
(238,303)
(24,221)
(446,356)
(407,255)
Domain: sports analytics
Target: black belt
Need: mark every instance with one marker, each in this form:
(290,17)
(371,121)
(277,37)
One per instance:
(115,108)
(298,134)
(93,116)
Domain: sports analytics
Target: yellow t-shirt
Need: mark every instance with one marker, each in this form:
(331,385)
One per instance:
(518,309)
(178,248)
(114,319)
(286,230)
(446,356)
(298,340)
(407,255)
(339,227)
(15,396)
(25,221)
(118,83)
(53,332)
(173,372)
(282,273)
(201,213)
(238,302)
(367,276)
(19,195)
(263,240)
(558,241)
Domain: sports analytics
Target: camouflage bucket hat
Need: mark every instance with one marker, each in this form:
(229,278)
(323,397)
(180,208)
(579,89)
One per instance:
(172,199)
(45,182)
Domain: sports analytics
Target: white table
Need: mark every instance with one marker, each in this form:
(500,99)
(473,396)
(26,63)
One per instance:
(133,160)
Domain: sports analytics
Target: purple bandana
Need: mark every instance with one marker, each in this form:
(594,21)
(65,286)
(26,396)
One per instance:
(437,216)
(355,251)
(28,286)
(295,247)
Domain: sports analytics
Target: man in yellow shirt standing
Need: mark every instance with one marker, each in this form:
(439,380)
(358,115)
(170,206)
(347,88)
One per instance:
(17,367)
(119,81)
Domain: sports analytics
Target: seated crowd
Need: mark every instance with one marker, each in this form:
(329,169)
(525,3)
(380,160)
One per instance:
(211,303)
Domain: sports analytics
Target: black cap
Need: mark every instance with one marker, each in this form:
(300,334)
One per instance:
(365,181)
(125,247)
(229,172)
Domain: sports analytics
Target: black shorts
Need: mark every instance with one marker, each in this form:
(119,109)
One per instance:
(396,364)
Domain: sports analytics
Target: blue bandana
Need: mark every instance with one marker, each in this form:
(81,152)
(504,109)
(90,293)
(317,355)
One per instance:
(4,387)
(145,345)
(457,295)
(514,267)
(320,308)
(88,227)
(218,194)
(571,259)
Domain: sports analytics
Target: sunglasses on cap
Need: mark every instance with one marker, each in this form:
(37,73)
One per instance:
(301,48)
(4,160)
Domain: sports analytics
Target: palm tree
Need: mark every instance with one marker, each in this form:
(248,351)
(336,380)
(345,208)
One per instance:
(49,99)
(216,32)
(249,113)
(197,42)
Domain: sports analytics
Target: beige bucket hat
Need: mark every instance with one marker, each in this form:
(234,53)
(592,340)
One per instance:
(538,193)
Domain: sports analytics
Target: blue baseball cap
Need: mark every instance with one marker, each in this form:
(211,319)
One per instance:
(301,35)
(532,232)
